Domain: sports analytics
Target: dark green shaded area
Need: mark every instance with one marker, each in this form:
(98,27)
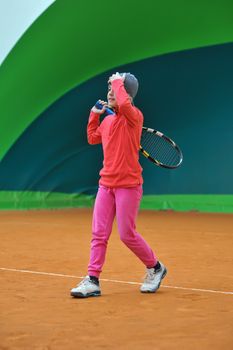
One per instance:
(187,95)
(74,41)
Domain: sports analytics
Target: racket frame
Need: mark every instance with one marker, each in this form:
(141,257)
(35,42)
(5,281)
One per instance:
(155,161)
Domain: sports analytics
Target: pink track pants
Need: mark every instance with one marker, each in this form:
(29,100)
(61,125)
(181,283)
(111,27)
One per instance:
(124,204)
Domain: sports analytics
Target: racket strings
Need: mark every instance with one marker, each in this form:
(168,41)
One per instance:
(160,149)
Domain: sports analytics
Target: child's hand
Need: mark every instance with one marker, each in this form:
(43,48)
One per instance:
(116,76)
(98,110)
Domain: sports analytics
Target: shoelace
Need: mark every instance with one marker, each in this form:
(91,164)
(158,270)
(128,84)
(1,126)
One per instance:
(149,276)
(85,281)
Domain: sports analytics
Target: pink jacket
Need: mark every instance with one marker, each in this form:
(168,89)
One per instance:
(120,136)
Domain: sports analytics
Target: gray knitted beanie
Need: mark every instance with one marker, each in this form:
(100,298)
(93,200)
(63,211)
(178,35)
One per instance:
(131,84)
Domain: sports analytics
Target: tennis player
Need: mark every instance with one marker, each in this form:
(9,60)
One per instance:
(120,185)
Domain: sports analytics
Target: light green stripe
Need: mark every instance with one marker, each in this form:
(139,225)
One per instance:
(44,200)
(202,203)
(74,41)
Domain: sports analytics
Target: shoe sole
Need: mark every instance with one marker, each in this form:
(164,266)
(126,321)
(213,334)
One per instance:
(80,295)
(154,290)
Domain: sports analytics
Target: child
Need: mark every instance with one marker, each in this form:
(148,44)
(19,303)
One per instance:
(120,185)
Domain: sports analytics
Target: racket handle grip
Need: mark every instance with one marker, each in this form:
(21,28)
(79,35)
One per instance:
(100,106)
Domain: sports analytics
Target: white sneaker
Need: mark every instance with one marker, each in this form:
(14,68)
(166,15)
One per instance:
(153,279)
(86,288)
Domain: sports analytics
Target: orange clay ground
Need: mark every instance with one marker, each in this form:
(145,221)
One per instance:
(37,311)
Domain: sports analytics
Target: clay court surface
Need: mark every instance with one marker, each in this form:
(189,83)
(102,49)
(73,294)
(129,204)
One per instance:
(45,253)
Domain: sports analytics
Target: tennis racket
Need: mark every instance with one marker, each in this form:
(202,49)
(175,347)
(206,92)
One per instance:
(157,147)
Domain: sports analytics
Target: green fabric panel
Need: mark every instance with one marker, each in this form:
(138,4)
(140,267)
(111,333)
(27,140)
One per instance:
(74,41)
(45,200)
(203,203)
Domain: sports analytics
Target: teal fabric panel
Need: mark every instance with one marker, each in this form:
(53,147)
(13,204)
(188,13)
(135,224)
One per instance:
(187,95)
